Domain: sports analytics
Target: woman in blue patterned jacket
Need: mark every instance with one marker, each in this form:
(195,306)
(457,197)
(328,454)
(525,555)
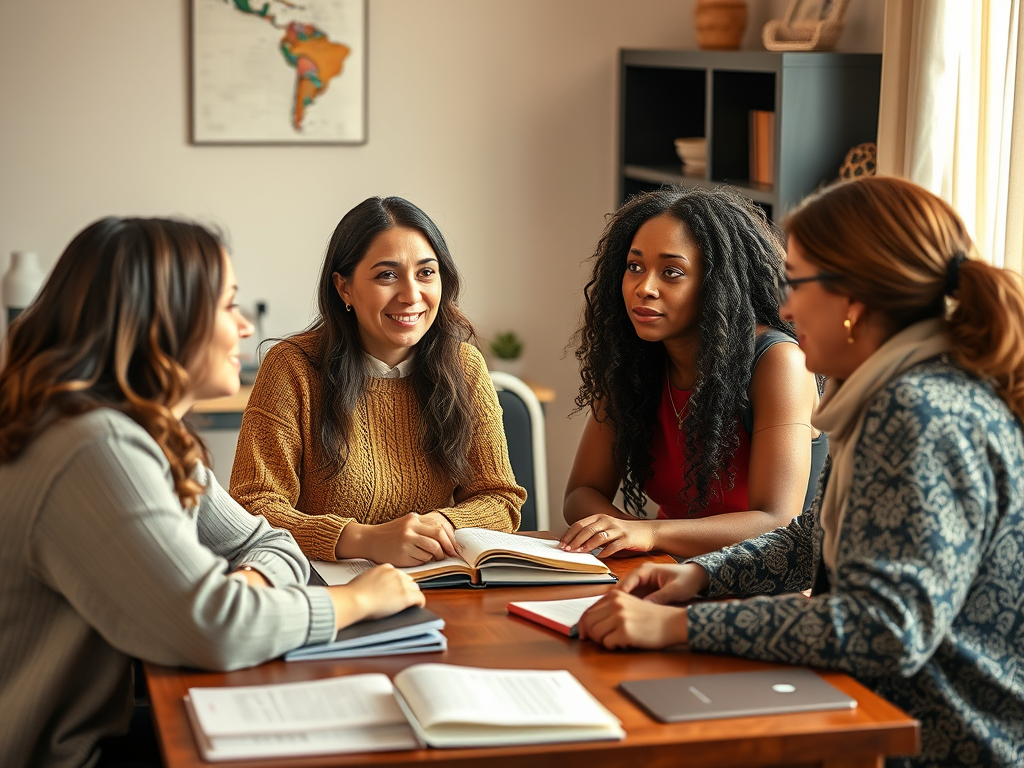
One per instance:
(914,546)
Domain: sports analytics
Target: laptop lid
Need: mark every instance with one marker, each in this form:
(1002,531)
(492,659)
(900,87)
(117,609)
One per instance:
(735,694)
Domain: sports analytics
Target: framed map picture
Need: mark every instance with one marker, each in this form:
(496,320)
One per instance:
(278,71)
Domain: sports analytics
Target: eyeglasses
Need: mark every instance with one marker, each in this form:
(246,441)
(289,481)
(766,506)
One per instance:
(786,284)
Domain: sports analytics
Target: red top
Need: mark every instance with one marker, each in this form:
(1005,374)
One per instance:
(670,466)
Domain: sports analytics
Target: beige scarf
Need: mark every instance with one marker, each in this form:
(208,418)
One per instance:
(841,414)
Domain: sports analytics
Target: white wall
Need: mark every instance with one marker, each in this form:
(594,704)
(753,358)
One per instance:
(497,117)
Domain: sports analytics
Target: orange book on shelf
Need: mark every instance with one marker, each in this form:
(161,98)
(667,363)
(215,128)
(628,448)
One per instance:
(757,146)
(768,155)
(762,147)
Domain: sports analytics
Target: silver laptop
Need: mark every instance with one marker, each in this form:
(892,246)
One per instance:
(735,694)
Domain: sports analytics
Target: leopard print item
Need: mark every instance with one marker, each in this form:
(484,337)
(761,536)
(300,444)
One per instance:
(860,161)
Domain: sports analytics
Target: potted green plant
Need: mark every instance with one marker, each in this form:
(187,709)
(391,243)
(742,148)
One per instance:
(506,349)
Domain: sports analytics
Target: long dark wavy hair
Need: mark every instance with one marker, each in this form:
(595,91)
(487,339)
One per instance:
(438,378)
(623,375)
(128,305)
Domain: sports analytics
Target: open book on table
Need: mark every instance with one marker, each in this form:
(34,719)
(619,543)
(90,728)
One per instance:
(414,630)
(488,558)
(437,704)
(450,706)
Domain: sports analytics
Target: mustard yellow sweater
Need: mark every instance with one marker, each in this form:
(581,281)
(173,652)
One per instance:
(278,471)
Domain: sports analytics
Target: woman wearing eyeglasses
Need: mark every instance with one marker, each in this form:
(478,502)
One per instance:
(915,543)
(699,399)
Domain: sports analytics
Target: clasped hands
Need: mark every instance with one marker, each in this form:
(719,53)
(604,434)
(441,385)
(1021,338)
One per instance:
(637,612)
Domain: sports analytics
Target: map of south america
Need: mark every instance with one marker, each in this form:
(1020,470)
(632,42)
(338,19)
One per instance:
(316,59)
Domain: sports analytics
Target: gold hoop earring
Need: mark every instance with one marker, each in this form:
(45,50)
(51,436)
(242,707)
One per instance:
(848,325)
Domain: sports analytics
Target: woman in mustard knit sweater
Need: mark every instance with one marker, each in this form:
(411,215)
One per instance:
(377,432)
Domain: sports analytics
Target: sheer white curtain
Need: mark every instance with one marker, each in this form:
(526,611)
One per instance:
(951,118)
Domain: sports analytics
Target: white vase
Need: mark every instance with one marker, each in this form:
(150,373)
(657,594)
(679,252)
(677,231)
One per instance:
(514,367)
(21,282)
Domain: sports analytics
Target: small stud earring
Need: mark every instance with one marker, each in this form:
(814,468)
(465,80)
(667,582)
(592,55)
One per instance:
(848,325)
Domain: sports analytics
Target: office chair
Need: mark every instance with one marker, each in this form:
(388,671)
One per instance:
(523,420)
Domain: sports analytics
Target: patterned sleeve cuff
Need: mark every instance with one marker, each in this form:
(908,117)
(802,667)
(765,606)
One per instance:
(712,563)
(704,633)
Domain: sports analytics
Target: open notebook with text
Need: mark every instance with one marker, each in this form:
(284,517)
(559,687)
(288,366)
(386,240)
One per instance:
(440,705)
(357,713)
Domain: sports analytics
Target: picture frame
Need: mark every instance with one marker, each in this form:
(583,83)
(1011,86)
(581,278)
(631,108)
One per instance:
(808,25)
(278,71)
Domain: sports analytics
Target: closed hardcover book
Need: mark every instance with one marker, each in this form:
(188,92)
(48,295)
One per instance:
(489,558)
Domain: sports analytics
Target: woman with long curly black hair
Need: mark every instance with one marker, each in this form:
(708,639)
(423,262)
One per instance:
(694,402)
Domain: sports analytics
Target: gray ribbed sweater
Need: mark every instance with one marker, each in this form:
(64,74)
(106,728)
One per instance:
(99,563)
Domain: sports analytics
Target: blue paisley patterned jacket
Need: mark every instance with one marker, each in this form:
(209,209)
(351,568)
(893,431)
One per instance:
(925,606)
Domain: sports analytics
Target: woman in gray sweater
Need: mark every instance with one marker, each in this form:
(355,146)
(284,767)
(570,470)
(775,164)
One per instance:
(115,540)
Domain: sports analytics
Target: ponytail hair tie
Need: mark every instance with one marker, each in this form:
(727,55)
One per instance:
(953,273)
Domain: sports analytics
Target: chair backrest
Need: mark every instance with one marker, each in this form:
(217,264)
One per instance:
(523,419)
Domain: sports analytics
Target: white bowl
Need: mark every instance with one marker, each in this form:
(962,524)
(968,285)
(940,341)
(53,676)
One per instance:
(692,150)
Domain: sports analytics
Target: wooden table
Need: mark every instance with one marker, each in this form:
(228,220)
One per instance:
(236,403)
(481,633)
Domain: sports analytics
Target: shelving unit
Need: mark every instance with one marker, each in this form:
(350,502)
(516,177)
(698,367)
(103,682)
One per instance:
(824,104)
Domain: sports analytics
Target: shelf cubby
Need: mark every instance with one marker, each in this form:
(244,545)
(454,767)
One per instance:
(824,104)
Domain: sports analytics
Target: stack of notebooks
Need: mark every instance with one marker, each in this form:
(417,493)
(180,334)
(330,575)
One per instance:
(489,558)
(414,630)
(437,705)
